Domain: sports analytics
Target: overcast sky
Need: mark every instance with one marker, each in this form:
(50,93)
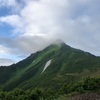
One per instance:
(27,26)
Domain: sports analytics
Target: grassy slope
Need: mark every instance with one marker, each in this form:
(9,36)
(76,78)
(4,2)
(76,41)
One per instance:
(33,69)
(67,65)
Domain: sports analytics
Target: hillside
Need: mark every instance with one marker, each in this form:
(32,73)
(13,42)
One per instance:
(56,65)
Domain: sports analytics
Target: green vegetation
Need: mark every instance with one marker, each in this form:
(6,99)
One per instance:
(66,72)
(88,85)
(36,94)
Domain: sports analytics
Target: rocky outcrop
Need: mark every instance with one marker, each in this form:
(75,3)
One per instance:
(87,96)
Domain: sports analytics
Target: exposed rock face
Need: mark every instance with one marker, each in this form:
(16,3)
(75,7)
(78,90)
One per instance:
(87,96)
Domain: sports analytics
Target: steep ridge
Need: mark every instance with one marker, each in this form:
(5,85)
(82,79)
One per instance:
(66,65)
(25,70)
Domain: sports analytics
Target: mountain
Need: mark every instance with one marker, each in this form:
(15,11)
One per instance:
(56,65)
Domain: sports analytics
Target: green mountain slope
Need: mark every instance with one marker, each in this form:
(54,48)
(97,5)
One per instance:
(64,65)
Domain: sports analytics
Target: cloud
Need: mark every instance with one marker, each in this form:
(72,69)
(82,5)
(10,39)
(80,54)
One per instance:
(39,22)
(4,50)
(15,21)
(6,62)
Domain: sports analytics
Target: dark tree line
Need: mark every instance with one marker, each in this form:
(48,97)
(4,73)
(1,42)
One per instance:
(86,85)
(35,94)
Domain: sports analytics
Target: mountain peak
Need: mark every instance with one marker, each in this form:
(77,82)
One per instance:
(58,62)
(59,41)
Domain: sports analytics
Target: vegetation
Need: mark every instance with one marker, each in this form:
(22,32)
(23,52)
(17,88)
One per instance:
(65,75)
(36,94)
(64,93)
(86,85)
(67,65)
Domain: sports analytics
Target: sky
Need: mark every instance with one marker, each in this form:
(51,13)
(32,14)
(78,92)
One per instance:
(27,26)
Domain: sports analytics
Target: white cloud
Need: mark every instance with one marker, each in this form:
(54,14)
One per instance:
(13,20)
(4,50)
(41,21)
(6,62)
(9,55)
